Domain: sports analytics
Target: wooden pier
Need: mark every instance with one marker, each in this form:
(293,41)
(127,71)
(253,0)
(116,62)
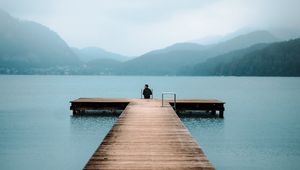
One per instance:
(85,106)
(146,135)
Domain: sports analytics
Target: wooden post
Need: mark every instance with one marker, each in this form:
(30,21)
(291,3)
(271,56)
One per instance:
(162,99)
(221,113)
(213,112)
(75,112)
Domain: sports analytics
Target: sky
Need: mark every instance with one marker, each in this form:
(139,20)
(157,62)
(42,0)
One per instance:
(133,27)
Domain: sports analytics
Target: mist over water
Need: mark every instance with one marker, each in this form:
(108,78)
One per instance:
(260,129)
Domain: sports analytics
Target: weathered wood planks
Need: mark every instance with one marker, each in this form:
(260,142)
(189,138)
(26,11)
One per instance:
(148,136)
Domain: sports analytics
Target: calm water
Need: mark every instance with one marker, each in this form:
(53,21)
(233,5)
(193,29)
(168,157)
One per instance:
(261,129)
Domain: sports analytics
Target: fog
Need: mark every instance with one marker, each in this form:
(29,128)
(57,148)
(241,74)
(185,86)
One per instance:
(133,27)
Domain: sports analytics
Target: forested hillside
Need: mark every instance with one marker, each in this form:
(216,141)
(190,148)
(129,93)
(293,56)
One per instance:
(277,59)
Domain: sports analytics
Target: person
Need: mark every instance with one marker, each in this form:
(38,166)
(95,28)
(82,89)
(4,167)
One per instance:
(147,92)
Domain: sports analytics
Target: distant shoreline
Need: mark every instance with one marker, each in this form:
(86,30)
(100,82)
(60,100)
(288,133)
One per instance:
(114,75)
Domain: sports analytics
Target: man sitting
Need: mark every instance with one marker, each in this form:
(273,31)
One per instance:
(147,92)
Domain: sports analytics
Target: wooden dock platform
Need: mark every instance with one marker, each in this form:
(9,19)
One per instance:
(82,106)
(148,136)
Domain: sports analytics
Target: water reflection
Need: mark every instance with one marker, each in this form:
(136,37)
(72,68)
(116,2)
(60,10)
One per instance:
(207,123)
(91,123)
(260,129)
(209,133)
(86,134)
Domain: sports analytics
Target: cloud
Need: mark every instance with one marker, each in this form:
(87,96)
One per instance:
(136,26)
(27,7)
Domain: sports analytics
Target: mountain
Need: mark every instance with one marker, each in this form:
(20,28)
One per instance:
(169,60)
(182,47)
(212,65)
(276,59)
(92,53)
(26,44)
(219,38)
(286,33)
(162,61)
(100,67)
(243,41)
(30,48)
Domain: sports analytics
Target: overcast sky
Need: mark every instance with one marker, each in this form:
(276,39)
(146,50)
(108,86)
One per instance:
(133,27)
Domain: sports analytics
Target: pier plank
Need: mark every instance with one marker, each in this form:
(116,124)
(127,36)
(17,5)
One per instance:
(147,136)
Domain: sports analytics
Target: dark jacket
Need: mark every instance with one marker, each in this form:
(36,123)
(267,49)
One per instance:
(147,93)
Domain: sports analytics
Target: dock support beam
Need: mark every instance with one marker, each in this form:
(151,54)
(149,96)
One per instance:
(221,114)
(90,106)
(213,112)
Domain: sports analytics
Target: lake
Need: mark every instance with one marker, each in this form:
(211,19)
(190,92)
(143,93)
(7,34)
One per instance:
(261,128)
